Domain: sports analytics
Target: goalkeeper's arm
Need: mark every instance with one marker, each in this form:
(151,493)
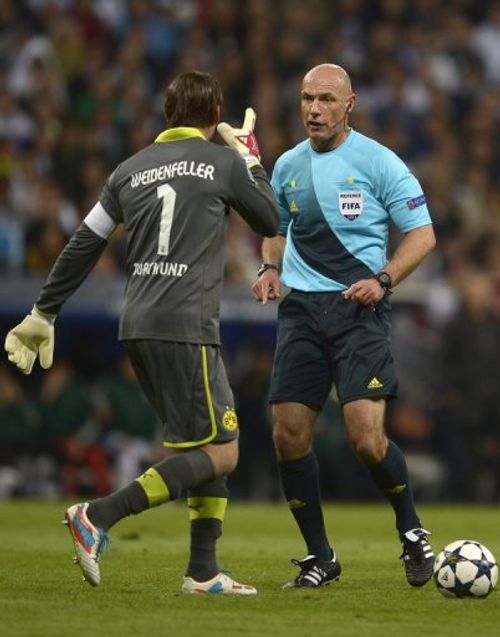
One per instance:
(251,193)
(76,261)
(35,334)
(243,139)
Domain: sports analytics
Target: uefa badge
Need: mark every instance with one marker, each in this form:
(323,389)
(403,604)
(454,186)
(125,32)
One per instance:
(351,204)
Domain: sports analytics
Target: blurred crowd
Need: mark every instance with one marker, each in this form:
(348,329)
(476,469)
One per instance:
(81,88)
(72,436)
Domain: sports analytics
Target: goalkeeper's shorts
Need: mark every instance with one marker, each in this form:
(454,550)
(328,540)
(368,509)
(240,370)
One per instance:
(188,387)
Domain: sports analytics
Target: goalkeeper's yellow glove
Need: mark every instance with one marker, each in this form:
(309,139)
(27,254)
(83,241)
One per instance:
(32,337)
(243,139)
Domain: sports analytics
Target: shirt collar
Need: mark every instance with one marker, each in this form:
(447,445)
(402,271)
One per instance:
(179,133)
(345,141)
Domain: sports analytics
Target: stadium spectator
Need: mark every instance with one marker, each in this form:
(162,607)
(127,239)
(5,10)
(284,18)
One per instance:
(486,42)
(16,125)
(11,232)
(471,377)
(47,234)
(333,325)
(70,434)
(19,440)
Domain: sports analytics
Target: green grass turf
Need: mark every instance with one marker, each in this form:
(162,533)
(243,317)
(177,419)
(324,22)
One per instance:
(41,592)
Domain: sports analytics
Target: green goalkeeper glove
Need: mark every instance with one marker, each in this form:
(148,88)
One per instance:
(32,337)
(243,139)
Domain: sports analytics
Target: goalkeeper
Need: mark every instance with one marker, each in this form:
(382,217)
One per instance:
(173,198)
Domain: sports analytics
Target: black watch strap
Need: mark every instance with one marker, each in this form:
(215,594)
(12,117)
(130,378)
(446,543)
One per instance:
(385,280)
(266,266)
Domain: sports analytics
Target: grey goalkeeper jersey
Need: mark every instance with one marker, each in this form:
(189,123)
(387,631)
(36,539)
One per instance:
(173,199)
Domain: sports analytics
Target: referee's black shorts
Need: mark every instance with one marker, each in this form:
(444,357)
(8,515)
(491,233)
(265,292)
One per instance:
(324,339)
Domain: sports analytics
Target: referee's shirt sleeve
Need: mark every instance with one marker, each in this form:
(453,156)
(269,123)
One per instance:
(402,194)
(251,195)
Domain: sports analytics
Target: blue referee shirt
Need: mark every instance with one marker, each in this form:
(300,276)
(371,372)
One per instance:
(336,208)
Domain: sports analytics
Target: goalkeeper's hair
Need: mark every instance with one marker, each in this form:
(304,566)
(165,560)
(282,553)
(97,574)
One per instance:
(193,99)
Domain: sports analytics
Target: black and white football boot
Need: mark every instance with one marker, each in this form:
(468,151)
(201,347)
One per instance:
(315,572)
(417,556)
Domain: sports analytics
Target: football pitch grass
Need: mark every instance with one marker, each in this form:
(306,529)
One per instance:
(42,595)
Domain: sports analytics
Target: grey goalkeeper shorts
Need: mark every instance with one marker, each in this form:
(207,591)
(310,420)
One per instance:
(188,387)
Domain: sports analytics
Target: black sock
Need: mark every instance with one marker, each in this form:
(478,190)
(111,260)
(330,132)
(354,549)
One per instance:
(207,506)
(299,479)
(183,472)
(202,557)
(105,512)
(164,482)
(391,477)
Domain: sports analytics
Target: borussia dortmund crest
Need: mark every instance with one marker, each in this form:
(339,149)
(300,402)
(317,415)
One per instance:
(229,419)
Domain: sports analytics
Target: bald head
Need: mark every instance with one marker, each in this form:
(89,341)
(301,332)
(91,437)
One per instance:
(330,74)
(326,101)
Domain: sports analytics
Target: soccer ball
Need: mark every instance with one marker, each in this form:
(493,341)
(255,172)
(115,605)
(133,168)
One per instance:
(465,568)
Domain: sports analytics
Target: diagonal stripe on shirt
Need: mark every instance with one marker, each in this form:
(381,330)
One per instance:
(319,247)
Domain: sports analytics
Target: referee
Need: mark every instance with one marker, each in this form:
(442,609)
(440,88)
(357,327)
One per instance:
(173,199)
(339,192)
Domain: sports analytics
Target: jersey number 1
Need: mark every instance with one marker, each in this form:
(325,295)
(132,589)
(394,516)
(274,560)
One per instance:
(167,194)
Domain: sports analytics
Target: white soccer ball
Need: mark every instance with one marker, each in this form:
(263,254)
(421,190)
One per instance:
(465,568)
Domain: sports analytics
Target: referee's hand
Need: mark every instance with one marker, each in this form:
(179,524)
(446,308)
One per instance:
(267,287)
(365,291)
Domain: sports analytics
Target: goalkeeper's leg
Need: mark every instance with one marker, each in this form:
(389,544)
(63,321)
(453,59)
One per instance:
(164,482)
(207,506)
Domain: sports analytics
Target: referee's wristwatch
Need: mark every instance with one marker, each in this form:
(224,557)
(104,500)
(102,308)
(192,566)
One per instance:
(266,266)
(385,281)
